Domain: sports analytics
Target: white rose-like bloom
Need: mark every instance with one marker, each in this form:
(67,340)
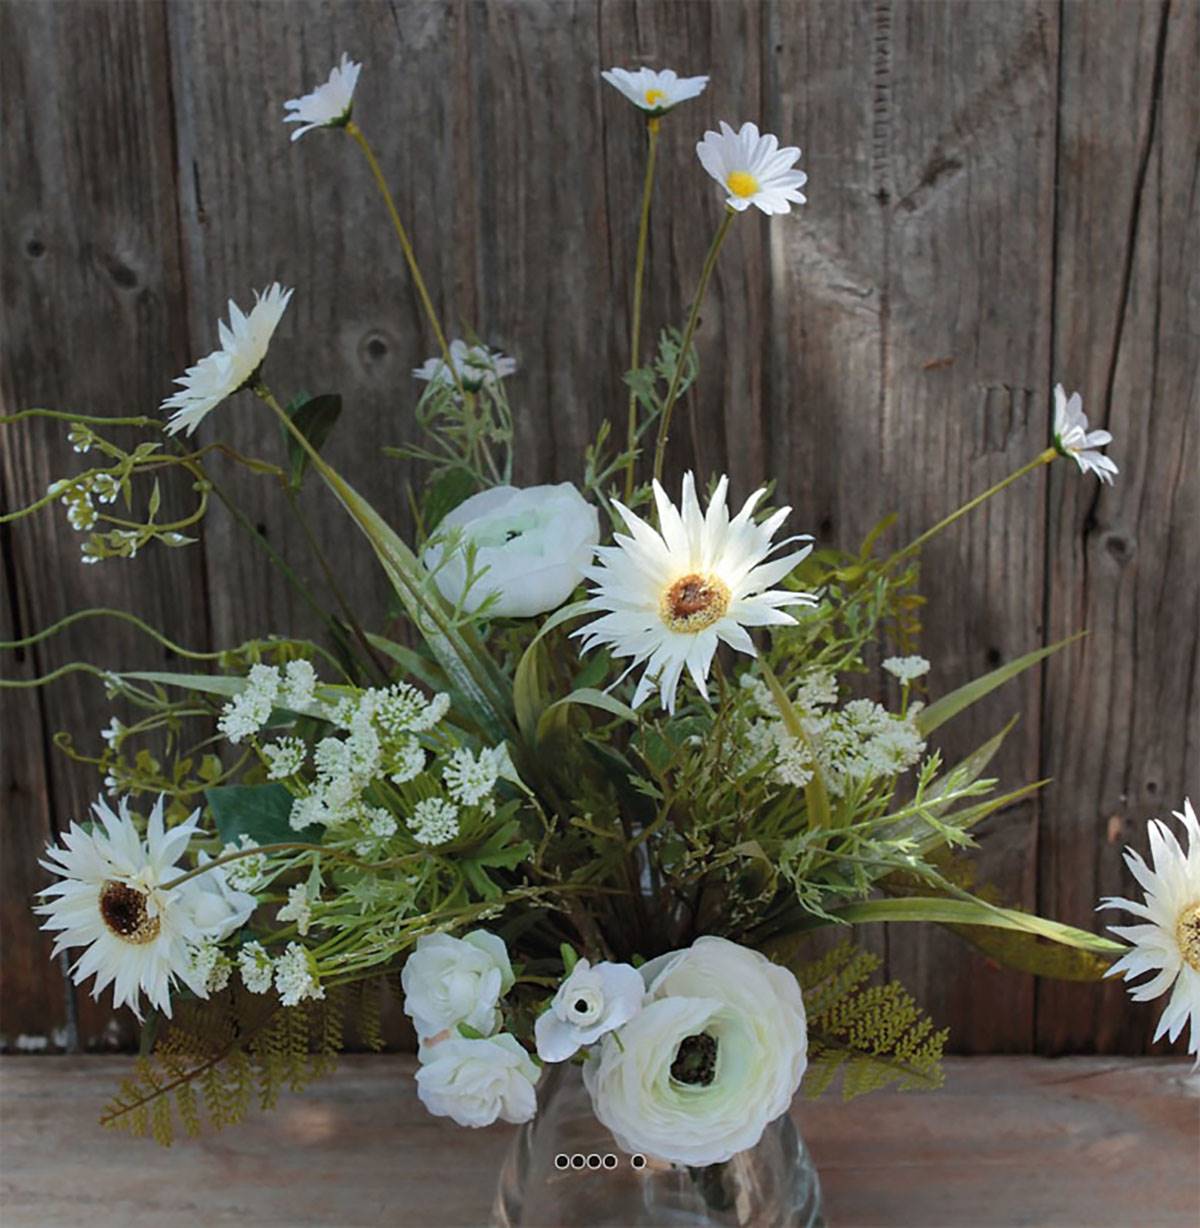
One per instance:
(219,908)
(1072,437)
(475,1081)
(535,543)
(655,91)
(752,169)
(716,1054)
(448,981)
(244,342)
(329,105)
(589,1003)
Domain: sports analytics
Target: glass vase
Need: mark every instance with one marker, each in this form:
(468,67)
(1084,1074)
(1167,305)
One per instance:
(564,1171)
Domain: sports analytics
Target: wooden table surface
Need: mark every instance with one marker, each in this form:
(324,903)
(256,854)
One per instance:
(1076,1143)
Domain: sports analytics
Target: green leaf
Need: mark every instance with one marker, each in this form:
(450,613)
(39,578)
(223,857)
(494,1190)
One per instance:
(315,418)
(209,684)
(969,912)
(261,812)
(529,693)
(569,957)
(444,494)
(556,713)
(502,851)
(942,710)
(1028,953)
(155,501)
(412,662)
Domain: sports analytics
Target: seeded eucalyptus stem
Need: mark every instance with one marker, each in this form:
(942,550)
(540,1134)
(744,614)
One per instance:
(710,263)
(639,276)
(1042,458)
(406,246)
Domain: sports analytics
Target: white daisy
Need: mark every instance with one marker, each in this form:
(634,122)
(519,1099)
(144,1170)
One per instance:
(329,105)
(653,91)
(138,936)
(476,366)
(1072,437)
(1169,945)
(244,344)
(752,168)
(669,596)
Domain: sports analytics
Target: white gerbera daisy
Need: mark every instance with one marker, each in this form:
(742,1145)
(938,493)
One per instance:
(244,343)
(655,91)
(1169,945)
(329,105)
(1072,437)
(475,365)
(110,900)
(752,168)
(669,596)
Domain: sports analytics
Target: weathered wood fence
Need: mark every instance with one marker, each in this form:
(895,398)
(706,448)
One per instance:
(1002,195)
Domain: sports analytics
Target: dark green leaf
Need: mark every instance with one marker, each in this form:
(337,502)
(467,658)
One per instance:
(261,812)
(314,418)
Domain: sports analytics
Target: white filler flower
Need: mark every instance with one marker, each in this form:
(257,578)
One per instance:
(448,981)
(589,1003)
(655,91)
(329,105)
(668,597)
(534,542)
(479,1080)
(244,342)
(716,1054)
(1072,437)
(476,366)
(1169,943)
(752,169)
(110,900)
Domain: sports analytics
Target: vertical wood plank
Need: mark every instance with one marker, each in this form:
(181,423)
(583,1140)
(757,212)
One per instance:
(93,316)
(1122,713)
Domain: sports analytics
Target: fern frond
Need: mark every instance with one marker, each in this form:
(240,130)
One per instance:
(876,1035)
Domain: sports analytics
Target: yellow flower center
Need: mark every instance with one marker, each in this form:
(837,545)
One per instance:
(654,97)
(123,909)
(694,602)
(742,183)
(1187,934)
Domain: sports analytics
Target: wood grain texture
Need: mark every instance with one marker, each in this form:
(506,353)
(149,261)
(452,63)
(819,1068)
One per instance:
(1000,196)
(1077,1143)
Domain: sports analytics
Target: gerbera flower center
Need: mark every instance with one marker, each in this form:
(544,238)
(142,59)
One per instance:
(695,1060)
(742,183)
(1187,934)
(125,913)
(654,97)
(694,602)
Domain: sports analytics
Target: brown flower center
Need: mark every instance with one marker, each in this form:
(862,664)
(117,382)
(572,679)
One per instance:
(694,602)
(1187,934)
(125,913)
(695,1060)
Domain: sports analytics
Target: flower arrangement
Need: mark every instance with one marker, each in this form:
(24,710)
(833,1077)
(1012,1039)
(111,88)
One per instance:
(595,798)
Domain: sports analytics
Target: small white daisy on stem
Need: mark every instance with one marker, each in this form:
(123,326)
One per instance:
(1168,944)
(474,366)
(655,91)
(139,937)
(752,168)
(329,105)
(244,342)
(1072,437)
(668,597)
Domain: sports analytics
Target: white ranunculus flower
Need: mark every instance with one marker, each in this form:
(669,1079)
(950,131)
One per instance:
(589,1003)
(716,1053)
(219,908)
(448,981)
(476,1081)
(535,543)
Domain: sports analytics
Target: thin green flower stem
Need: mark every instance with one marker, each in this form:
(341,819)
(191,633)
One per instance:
(65,416)
(406,246)
(639,276)
(1042,458)
(288,846)
(334,588)
(72,667)
(710,263)
(106,612)
(172,527)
